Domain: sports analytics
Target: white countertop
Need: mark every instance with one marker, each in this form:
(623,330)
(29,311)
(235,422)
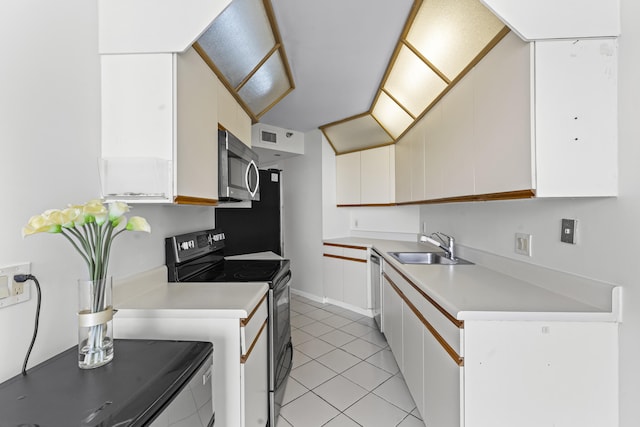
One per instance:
(481,293)
(149,295)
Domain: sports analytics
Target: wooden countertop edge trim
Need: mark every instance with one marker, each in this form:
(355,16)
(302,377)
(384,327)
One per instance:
(443,343)
(245,357)
(245,321)
(345,258)
(449,316)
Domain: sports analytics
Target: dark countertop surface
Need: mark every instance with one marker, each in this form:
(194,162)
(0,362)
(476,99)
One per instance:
(130,391)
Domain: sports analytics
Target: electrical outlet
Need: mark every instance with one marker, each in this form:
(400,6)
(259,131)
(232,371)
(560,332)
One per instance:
(523,244)
(12,292)
(568,231)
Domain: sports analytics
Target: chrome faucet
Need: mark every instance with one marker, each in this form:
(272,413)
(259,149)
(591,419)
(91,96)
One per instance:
(448,246)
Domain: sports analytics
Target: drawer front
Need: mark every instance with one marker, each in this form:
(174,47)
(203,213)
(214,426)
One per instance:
(347,251)
(443,323)
(251,327)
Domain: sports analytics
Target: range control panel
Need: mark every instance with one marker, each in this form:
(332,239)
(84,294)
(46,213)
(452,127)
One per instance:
(185,247)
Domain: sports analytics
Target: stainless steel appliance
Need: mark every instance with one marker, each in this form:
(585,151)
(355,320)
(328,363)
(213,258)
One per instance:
(199,257)
(376,287)
(238,177)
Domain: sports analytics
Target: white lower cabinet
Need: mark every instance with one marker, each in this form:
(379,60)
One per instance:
(345,276)
(500,373)
(240,382)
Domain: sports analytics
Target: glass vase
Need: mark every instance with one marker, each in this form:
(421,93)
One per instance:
(95,323)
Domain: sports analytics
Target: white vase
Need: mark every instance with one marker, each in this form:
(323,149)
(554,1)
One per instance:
(95,323)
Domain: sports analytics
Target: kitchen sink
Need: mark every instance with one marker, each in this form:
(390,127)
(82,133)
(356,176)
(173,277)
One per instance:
(428,258)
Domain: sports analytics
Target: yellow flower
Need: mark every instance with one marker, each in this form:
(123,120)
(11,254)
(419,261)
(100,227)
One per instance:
(94,210)
(40,224)
(73,217)
(137,223)
(116,210)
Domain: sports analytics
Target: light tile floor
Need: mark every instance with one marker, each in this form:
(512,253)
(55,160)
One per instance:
(343,372)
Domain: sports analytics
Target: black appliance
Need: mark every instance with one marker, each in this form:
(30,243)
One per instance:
(199,257)
(142,383)
(259,228)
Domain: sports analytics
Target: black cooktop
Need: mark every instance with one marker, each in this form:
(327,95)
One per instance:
(243,271)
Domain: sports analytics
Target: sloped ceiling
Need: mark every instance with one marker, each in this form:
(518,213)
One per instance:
(338,51)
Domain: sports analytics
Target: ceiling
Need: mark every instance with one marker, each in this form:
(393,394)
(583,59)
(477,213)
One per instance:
(338,51)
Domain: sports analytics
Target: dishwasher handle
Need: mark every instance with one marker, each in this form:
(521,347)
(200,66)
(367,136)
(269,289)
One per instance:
(375,259)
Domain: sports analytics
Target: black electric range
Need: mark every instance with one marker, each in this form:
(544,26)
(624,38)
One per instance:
(199,257)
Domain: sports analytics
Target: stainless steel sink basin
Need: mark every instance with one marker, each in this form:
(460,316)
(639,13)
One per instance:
(428,258)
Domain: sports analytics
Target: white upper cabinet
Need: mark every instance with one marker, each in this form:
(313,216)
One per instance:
(502,119)
(377,172)
(232,117)
(153,26)
(348,179)
(404,177)
(530,119)
(159,128)
(366,177)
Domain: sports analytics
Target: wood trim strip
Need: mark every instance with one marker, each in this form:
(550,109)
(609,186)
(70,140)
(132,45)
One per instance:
(459,360)
(346,258)
(366,205)
(189,200)
(245,321)
(507,195)
(245,357)
(339,245)
(458,323)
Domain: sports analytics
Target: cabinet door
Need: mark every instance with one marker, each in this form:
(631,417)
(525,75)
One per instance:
(441,385)
(375,176)
(417,162)
(412,348)
(255,381)
(403,168)
(197,130)
(502,95)
(332,279)
(355,283)
(232,117)
(348,179)
(392,307)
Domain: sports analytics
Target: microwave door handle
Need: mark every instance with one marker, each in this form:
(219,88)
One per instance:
(246,178)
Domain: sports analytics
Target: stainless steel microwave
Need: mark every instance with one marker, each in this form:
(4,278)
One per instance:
(238,177)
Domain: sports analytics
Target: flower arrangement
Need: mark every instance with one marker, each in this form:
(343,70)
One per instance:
(91,229)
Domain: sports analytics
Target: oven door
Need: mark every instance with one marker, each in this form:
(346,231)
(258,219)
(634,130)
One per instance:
(280,347)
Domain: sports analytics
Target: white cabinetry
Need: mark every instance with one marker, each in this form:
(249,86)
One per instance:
(346,276)
(159,128)
(531,119)
(348,179)
(232,116)
(254,388)
(240,381)
(502,373)
(426,345)
(366,177)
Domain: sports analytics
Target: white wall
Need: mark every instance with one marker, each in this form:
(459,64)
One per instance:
(49,142)
(302,194)
(607,248)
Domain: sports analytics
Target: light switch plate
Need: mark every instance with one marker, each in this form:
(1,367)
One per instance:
(523,244)
(568,231)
